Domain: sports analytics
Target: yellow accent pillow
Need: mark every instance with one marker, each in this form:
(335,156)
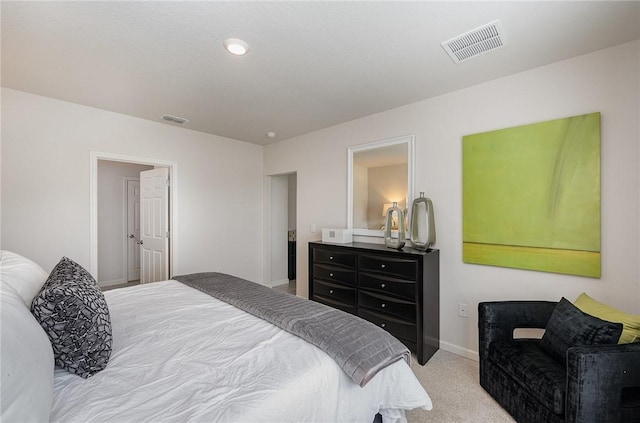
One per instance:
(630,322)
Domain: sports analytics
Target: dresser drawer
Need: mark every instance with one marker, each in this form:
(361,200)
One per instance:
(404,268)
(349,308)
(342,258)
(334,291)
(388,305)
(396,327)
(387,285)
(334,273)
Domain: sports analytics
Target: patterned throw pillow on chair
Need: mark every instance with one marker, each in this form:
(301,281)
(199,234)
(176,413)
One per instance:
(74,314)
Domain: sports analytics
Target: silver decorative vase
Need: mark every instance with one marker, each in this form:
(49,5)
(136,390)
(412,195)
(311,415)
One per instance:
(388,240)
(422,229)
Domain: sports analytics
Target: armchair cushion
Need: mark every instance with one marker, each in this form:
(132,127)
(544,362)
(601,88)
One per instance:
(543,377)
(570,327)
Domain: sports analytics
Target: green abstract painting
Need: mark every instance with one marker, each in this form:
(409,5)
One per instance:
(531,196)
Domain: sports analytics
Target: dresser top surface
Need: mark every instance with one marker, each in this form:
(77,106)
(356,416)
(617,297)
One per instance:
(365,246)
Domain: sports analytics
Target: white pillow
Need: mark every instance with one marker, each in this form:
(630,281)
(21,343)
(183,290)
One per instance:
(27,362)
(22,274)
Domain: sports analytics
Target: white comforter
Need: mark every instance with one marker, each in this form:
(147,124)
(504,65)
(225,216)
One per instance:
(180,355)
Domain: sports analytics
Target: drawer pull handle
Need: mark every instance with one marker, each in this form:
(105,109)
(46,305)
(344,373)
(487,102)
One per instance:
(331,274)
(382,285)
(331,291)
(383,305)
(383,325)
(383,266)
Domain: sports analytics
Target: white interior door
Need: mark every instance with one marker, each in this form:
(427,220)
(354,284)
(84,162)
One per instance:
(154,224)
(133,229)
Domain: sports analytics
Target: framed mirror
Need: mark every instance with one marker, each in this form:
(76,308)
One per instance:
(379,174)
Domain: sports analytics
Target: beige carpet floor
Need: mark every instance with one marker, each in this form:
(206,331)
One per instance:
(452,383)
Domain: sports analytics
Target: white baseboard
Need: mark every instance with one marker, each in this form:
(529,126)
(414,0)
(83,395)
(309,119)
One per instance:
(112,282)
(464,352)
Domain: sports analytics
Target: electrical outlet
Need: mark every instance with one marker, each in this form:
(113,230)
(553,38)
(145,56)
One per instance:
(462,310)
(312,228)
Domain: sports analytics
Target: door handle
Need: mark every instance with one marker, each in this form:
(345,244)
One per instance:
(139,242)
(131,236)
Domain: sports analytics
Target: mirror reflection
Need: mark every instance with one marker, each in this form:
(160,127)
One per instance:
(379,174)
(379,180)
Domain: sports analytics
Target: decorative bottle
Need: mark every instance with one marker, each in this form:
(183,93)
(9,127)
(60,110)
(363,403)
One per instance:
(422,230)
(388,240)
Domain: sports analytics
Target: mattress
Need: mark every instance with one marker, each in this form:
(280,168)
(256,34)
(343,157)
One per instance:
(180,355)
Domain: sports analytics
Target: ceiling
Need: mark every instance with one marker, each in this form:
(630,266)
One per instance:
(311,65)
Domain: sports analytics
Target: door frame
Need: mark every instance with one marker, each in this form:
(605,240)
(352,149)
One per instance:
(125,230)
(94,156)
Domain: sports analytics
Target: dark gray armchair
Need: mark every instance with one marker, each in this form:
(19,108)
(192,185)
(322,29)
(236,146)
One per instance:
(596,384)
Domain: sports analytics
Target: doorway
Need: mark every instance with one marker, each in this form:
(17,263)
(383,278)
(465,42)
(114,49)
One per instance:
(117,198)
(283,232)
(118,211)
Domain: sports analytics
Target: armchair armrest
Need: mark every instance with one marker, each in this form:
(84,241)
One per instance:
(596,377)
(498,319)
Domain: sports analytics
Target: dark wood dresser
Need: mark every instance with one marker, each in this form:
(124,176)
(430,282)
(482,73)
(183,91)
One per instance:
(398,290)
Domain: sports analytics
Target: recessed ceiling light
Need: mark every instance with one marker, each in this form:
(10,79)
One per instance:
(271,134)
(236,46)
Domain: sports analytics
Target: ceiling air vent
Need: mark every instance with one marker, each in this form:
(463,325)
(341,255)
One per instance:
(175,119)
(475,42)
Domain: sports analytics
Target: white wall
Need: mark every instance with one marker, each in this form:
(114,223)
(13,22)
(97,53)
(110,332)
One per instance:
(111,218)
(46,147)
(1,247)
(606,81)
(292,200)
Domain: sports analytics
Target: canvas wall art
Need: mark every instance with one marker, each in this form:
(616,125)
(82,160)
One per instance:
(531,196)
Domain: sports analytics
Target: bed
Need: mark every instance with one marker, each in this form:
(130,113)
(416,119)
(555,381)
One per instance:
(178,355)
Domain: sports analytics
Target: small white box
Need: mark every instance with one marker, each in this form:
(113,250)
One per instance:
(337,236)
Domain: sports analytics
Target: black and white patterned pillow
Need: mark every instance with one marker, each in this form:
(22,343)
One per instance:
(74,314)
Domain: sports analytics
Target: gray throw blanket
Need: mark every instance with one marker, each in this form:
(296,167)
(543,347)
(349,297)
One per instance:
(359,347)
